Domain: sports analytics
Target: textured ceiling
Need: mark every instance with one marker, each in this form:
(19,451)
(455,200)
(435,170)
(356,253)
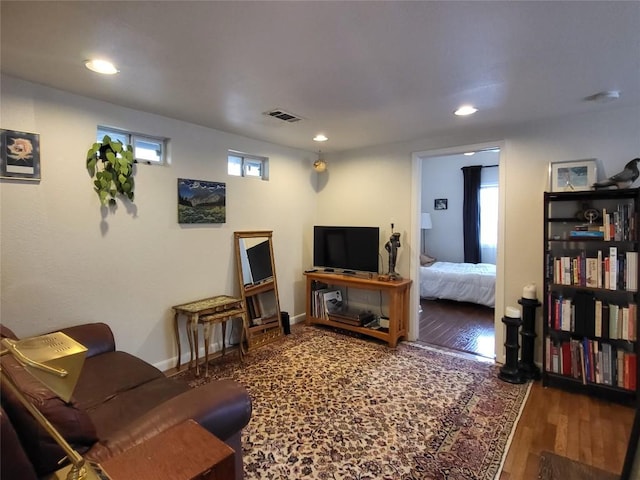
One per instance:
(364,73)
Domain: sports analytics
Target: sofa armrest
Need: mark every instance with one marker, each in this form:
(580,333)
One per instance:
(97,337)
(222,407)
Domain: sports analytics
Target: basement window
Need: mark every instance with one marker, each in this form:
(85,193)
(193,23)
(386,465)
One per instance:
(146,148)
(243,165)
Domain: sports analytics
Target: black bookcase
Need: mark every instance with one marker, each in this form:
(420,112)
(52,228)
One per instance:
(590,309)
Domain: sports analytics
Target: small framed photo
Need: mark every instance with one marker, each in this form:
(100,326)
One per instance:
(440,204)
(573,176)
(19,155)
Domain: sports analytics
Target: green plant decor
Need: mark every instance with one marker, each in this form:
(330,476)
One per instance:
(110,164)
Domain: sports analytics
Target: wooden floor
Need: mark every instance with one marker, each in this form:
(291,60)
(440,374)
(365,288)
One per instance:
(578,427)
(466,327)
(575,426)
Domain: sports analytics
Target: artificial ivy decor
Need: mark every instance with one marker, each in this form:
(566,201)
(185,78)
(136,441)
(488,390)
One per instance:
(110,164)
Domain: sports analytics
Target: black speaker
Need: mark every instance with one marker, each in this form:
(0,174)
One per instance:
(284,319)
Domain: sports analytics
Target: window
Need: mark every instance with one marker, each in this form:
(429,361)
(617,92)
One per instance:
(243,165)
(489,223)
(146,149)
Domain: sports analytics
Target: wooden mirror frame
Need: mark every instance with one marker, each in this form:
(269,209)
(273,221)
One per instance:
(262,324)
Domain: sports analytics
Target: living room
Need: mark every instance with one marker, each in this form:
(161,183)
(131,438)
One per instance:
(66,260)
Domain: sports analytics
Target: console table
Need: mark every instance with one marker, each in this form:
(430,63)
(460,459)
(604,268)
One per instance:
(207,312)
(398,291)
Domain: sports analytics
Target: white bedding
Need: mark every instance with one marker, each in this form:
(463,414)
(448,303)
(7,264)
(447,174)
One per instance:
(462,282)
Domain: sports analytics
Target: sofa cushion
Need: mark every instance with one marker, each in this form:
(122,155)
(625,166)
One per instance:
(124,408)
(106,376)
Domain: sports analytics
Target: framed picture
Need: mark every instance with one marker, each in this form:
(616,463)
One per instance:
(200,201)
(440,204)
(573,176)
(20,155)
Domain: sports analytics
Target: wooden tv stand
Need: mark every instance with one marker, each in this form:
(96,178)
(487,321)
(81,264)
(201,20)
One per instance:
(398,291)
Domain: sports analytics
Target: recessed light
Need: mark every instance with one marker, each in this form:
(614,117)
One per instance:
(465,110)
(604,97)
(101,66)
(468,154)
(321,137)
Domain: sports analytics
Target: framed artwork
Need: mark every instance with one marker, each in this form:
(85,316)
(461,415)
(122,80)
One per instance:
(200,201)
(573,176)
(440,204)
(20,155)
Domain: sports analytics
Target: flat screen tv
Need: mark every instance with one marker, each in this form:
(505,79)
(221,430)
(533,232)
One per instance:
(260,262)
(350,249)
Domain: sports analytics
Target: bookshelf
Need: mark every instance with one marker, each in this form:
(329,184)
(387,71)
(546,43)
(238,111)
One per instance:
(590,309)
(398,293)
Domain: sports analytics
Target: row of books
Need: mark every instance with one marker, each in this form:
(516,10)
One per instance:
(620,224)
(585,315)
(592,362)
(326,301)
(617,271)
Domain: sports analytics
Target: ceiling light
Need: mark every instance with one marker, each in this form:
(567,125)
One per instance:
(466,110)
(604,97)
(321,137)
(468,154)
(101,66)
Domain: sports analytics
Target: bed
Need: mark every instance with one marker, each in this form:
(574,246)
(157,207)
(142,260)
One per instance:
(462,282)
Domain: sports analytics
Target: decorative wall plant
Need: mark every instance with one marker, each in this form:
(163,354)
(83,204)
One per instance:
(110,164)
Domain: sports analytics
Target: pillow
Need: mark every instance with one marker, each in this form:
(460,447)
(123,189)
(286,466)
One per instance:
(427,261)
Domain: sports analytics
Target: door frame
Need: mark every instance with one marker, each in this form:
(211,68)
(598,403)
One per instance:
(416,205)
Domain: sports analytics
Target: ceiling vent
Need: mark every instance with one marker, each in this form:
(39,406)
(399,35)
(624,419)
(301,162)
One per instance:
(282,115)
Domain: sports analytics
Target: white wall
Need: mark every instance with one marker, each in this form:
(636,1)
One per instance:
(375,184)
(65,261)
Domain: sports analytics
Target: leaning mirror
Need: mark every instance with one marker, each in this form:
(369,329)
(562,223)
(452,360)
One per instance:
(258,287)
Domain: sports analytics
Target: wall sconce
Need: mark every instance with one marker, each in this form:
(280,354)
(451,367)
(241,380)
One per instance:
(320,165)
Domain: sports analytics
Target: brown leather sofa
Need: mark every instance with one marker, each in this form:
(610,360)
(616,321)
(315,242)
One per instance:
(119,401)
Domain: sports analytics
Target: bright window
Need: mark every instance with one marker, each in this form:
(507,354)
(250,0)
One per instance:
(146,149)
(488,223)
(243,165)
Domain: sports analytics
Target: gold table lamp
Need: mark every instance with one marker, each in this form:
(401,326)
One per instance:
(56,360)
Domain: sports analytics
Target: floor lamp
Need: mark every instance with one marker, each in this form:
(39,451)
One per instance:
(55,360)
(425,224)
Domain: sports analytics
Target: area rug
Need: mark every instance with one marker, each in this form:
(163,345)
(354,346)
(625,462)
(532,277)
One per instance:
(333,406)
(555,467)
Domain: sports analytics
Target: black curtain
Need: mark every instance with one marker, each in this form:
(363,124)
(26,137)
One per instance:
(471,213)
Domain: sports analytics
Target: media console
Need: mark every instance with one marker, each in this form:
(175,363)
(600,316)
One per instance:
(397,290)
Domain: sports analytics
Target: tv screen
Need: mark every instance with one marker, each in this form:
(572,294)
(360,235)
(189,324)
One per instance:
(346,248)
(260,262)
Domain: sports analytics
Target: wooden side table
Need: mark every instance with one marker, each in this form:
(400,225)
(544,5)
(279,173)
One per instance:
(185,451)
(207,312)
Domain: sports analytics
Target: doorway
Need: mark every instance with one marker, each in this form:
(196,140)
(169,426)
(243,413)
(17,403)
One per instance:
(456,311)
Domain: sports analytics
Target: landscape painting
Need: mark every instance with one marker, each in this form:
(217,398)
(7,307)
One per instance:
(200,201)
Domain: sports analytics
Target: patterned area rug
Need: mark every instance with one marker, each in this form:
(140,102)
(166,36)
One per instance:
(333,406)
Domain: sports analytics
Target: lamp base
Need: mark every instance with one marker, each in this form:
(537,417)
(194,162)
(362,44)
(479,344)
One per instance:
(90,471)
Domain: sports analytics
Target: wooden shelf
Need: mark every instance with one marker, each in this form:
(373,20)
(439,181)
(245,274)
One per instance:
(398,291)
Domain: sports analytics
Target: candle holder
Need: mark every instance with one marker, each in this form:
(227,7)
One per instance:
(528,369)
(509,372)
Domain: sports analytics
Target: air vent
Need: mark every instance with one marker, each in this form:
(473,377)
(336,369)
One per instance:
(282,115)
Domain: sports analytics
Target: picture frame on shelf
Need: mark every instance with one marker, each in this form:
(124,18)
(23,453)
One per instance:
(573,176)
(19,155)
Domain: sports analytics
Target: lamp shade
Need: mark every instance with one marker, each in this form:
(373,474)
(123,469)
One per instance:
(425,221)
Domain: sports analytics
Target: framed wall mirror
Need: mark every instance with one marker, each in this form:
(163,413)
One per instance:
(258,287)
